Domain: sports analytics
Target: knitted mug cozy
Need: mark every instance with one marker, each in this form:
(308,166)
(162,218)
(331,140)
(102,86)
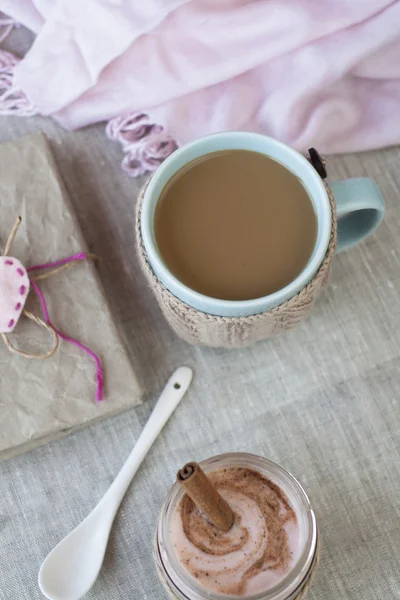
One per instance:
(199,328)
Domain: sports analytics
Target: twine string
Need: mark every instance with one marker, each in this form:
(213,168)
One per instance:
(12,235)
(41,323)
(61,265)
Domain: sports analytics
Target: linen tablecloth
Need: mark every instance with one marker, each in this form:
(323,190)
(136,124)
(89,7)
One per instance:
(322,402)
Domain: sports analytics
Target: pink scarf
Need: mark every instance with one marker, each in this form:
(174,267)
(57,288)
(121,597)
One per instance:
(323,73)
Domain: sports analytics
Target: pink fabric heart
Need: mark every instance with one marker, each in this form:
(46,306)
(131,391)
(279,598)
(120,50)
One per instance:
(14,290)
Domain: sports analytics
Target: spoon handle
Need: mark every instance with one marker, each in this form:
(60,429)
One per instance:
(170,397)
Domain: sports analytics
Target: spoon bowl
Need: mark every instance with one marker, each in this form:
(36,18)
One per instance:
(72,567)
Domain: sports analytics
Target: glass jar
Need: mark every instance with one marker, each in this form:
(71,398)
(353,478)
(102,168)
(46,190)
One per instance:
(179,582)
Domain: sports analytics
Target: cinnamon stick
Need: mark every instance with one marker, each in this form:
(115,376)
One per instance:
(205,496)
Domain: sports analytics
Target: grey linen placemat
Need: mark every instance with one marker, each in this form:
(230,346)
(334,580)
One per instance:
(322,401)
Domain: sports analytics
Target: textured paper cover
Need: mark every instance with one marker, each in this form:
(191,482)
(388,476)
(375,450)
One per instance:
(42,400)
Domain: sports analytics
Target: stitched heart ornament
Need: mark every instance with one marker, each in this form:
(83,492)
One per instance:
(14,290)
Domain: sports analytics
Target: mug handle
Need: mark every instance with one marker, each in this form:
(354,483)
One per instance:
(359,210)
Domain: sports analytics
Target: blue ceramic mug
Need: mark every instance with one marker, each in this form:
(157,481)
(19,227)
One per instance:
(359,207)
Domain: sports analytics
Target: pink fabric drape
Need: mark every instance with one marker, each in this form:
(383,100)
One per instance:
(320,73)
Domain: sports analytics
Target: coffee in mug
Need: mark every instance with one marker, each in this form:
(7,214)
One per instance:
(235,225)
(237,198)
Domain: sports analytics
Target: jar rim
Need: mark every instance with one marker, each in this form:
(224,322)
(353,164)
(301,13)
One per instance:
(186,587)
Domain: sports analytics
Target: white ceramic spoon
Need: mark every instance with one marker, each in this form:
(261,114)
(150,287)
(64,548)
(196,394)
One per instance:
(72,567)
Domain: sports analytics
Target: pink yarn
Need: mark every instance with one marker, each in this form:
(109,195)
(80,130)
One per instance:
(58,263)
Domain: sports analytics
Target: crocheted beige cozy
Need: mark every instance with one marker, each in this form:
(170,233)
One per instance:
(199,328)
